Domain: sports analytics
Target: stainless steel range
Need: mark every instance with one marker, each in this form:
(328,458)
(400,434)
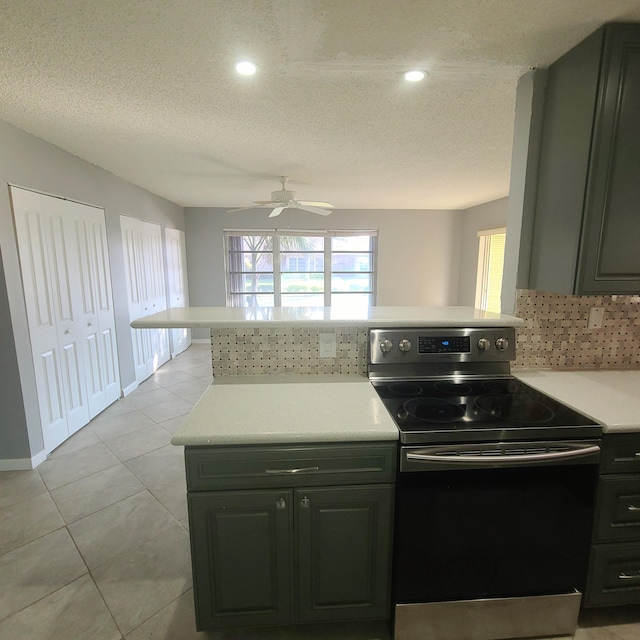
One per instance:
(495,491)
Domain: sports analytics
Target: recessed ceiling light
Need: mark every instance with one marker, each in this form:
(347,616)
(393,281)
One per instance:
(246,68)
(414,76)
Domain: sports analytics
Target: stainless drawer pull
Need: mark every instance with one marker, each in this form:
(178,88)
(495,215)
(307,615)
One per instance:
(624,576)
(290,471)
(633,508)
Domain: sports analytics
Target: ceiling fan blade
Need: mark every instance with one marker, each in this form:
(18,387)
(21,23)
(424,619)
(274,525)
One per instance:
(255,205)
(312,203)
(270,202)
(318,210)
(277,211)
(241,209)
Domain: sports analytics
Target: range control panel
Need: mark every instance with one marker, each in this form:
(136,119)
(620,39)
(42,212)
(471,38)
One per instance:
(415,346)
(444,344)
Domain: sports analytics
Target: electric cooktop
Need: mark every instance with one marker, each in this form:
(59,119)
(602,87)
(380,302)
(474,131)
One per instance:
(492,409)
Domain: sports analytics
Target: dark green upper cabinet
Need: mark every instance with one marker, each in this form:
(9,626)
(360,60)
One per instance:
(586,235)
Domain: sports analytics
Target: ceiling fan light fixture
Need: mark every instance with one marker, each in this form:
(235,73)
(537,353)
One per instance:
(285,199)
(415,75)
(246,68)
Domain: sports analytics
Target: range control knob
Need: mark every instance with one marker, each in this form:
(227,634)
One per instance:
(404,345)
(386,346)
(502,344)
(484,344)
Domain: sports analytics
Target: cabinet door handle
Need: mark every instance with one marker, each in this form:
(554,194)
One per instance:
(633,508)
(289,471)
(305,502)
(624,576)
(281,504)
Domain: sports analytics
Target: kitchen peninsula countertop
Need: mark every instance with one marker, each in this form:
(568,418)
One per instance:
(611,397)
(287,410)
(312,409)
(239,317)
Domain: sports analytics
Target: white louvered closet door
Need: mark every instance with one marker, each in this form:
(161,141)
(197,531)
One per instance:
(146,290)
(58,274)
(177,284)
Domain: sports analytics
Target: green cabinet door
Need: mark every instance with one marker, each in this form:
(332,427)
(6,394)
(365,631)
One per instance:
(587,225)
(610,260)
(343,546)
(241,552)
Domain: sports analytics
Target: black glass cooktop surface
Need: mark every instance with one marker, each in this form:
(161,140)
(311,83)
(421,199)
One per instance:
(479,410)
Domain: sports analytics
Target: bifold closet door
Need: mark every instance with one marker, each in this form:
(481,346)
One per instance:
(177,284)
(146,291)
(59,271)
(96,300)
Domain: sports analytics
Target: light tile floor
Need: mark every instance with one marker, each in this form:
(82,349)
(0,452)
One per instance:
(94,543)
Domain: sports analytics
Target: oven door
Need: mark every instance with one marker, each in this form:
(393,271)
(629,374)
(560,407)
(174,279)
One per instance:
(493,521)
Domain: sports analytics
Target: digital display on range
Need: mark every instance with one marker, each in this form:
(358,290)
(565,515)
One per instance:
(458,344)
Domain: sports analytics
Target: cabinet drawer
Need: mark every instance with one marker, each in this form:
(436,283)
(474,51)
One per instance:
(618,510)
(614,575)
(289,466)
(620,453)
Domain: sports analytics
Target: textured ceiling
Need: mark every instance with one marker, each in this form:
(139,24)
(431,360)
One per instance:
(146,89)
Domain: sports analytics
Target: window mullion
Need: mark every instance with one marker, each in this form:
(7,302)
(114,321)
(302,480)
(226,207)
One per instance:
(277,285)
(327,272)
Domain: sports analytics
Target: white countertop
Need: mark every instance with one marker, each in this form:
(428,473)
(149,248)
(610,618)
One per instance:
(286,410)
(295,409)
(609,397)
(227,317)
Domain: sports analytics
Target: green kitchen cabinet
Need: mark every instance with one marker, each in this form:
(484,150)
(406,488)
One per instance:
(299,542)
(587,222)
(343,552)
(614,568)
(241,552)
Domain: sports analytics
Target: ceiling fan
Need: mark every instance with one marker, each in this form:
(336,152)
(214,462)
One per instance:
(284,199)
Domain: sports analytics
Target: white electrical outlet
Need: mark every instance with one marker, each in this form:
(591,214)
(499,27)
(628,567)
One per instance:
(596,317)
(327,345)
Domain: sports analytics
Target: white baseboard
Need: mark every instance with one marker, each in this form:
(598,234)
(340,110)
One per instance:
(127,390)
(23,464)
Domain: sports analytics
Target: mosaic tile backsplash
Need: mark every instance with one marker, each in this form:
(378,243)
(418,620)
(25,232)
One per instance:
(286,351)
(556,336)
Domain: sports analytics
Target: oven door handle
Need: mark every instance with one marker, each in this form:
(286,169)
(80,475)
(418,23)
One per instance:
(499,458)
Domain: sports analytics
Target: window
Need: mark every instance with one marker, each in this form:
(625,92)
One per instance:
(490,265)
(301,268)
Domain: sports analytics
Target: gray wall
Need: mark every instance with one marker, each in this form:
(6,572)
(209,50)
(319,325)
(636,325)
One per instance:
(418,250)
(30,162)
(523,185)
(485,216)
(14,439)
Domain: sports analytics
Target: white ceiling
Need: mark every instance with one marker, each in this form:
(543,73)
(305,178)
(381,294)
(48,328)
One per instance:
(146,89)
